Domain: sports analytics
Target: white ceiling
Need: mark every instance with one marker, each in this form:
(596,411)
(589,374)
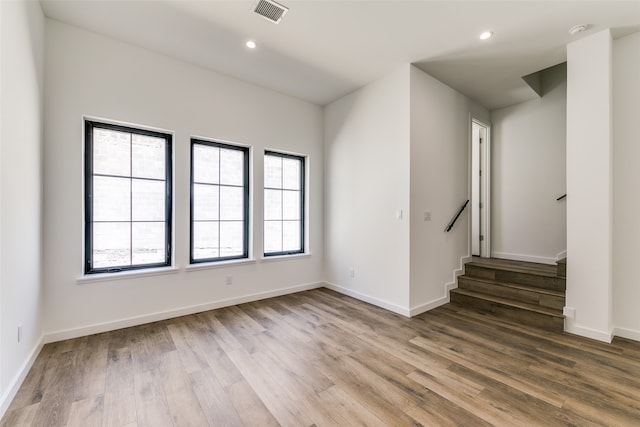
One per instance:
(324,49)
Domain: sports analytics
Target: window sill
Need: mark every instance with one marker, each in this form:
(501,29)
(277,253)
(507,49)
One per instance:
(124,275)
(285,257)
(219,264)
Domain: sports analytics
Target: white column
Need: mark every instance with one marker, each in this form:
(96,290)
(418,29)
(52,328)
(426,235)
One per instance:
(589,186)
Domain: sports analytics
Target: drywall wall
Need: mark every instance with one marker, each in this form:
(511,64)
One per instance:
(22,64)
(528,171)
(89,74)
(626,176)
(589,189)
(367,192)
(440,184)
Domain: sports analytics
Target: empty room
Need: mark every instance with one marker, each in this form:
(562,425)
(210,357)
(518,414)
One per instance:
(319,213)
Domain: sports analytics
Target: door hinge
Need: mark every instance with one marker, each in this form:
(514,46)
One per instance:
(480,205)
(481,237)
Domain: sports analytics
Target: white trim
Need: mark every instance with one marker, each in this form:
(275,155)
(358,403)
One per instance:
(220,264)
(458,272)
(285,257)
(586,332)
(414,311)
(419,309)
(561,255)
(626,333)
(15,384)
(527,258)
(124,275)
(369,299)
(168,314)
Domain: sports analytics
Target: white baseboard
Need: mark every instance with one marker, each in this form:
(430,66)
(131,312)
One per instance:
(561,255)
(414,311)
(17,380)
(429,305)
(163,315)
(527,258)
(371,300)
(627,333)
(459,271)
(586,332)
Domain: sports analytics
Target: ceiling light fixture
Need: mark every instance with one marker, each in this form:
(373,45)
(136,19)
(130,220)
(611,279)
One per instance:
(251,44)
(486,35)
(577,29)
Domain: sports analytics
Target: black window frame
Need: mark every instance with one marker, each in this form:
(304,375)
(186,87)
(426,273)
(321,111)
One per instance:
(303,200)
(89,126)
(246,200)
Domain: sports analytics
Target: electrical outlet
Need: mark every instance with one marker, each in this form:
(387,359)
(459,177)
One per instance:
(228,280)
(352,272)
(427,216)
(19,332)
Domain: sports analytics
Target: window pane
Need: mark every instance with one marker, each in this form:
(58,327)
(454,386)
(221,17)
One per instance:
(111,198)
(290,235)
(148,242)
(205,202)
(148,157)
(231,241)
(231,203)
(148,200)
(273,236)
(111,152)
(205,240)
(272,171)
(206,164)
(111,243)
(272,204)
(291,174)
(291,205)
(231,167)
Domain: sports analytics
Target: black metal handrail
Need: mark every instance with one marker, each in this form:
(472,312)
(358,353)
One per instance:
(561,197)
(455,218)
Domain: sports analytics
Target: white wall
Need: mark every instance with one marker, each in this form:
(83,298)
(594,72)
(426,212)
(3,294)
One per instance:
(529,173)
(626,176)
(440,183)
(21,296)
(589,176)
(366,185)
(89,74)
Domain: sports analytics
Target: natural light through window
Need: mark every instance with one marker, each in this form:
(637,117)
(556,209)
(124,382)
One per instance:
(219,201)
(127,198)
(283,204)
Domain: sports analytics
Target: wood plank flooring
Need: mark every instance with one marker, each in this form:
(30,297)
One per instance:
(318,358)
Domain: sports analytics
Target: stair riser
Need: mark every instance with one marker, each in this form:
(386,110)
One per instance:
(527,296)
(562,270)
(542,282)
(523,317)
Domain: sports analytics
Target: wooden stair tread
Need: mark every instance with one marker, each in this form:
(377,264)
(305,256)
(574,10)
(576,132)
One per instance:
(516,286)
(509,302)
(515,266)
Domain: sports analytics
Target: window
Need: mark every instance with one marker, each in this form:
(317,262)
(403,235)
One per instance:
(127,198)
(219,201)
(283,204)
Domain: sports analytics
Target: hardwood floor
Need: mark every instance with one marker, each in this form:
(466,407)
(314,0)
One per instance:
(318,358)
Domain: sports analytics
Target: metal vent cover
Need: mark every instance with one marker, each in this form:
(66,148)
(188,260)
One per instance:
(270,10)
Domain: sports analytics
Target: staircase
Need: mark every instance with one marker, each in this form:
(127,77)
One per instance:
(524,292)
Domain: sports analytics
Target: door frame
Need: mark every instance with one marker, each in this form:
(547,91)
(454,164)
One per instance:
(485,186)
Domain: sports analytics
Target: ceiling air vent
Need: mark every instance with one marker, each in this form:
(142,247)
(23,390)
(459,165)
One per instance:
(270,10)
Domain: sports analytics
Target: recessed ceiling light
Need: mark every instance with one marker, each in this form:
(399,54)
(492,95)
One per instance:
(251,44)
(486,35)
(578,29)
